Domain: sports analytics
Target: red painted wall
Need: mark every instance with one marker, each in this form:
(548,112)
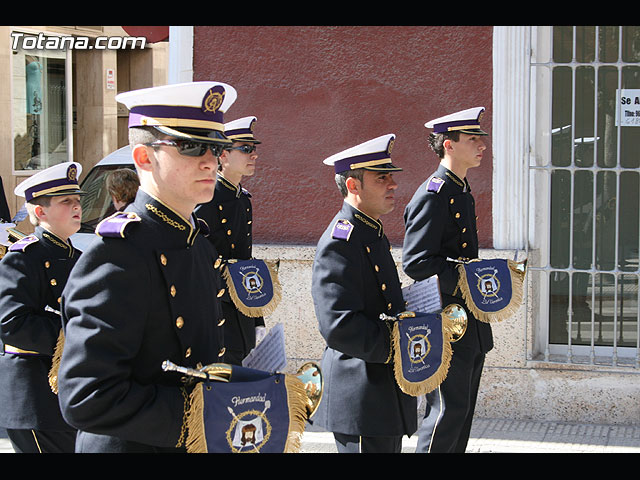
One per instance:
(317,90)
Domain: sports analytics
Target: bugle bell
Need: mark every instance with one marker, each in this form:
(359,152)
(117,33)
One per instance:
(457,320)
(311,377)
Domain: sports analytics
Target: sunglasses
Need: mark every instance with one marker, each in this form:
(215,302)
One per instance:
(190,148)
(243,148)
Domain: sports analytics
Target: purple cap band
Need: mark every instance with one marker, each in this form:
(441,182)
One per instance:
(53,184)
(238,131)
(172,112)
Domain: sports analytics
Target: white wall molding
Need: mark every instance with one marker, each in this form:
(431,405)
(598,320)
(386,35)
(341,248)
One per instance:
(180,54)
(511,56)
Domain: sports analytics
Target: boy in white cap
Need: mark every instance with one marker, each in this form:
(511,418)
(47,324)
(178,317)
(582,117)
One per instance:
(230,218)
(440,225)
(354,280)
(147,290)
(32,276)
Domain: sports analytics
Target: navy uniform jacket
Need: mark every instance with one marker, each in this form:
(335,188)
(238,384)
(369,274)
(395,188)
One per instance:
(141,294)
(229,217)
(440,223)
(354,280)
(32,275)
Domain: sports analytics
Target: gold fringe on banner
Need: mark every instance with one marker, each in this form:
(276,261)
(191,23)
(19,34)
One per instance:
(196,438)
(256,311)
(431,383)
(517,270)
(296,403)
(55,363)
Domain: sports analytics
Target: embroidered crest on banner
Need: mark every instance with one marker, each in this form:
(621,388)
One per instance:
(422,352)
(492,289)
(253,286)
(261,413)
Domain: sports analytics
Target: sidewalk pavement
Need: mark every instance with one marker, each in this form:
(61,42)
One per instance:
(501,436)
(519,436)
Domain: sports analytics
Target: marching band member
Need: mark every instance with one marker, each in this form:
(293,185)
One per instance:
(229,217)
(440,223)
(32,276)
(354,280)
(142,293)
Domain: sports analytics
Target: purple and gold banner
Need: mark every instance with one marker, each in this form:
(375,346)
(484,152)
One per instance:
(253,286)
(422,352)
(492,289)
(255,412)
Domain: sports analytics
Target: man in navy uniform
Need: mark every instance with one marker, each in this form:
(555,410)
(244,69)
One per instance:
(354,281)
(229,217)
(440,228)
(32,276)
(144,291)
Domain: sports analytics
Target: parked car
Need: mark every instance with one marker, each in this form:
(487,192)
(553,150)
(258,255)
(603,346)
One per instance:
(96,204)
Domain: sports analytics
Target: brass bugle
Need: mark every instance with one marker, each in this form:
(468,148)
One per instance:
(210,372)
(311,377)
(456,319)
(309,374)
(400,316)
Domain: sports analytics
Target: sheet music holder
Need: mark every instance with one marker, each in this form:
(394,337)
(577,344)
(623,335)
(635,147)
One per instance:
(423,296)
(269,355)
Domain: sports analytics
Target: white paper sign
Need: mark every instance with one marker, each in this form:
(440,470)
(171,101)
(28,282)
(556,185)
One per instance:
(628,107)
(423,296)
(269,355)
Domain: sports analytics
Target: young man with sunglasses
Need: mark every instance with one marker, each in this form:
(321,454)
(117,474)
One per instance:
(354,281)
(146,290)
(229,217)
(32,276)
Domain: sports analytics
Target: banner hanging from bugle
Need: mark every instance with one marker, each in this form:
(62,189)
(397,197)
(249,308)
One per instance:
(492,289)
(422,351)
(249,411)
(253,286)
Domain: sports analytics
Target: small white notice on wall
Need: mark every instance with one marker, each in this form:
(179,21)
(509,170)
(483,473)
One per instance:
(628,107)
(111,79)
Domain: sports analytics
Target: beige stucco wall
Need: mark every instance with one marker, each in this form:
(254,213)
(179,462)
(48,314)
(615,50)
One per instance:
(512,386)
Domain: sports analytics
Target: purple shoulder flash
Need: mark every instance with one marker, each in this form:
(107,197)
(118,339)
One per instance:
(114,226)
(342,230)
(435,184)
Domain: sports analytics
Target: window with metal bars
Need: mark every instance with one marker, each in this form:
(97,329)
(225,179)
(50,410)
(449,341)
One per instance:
(585,182)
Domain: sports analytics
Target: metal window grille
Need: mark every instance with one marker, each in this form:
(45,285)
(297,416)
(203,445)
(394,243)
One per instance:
(584,191)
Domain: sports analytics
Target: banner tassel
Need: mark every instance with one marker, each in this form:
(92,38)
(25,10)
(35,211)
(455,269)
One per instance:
(196,439)
(55,363)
